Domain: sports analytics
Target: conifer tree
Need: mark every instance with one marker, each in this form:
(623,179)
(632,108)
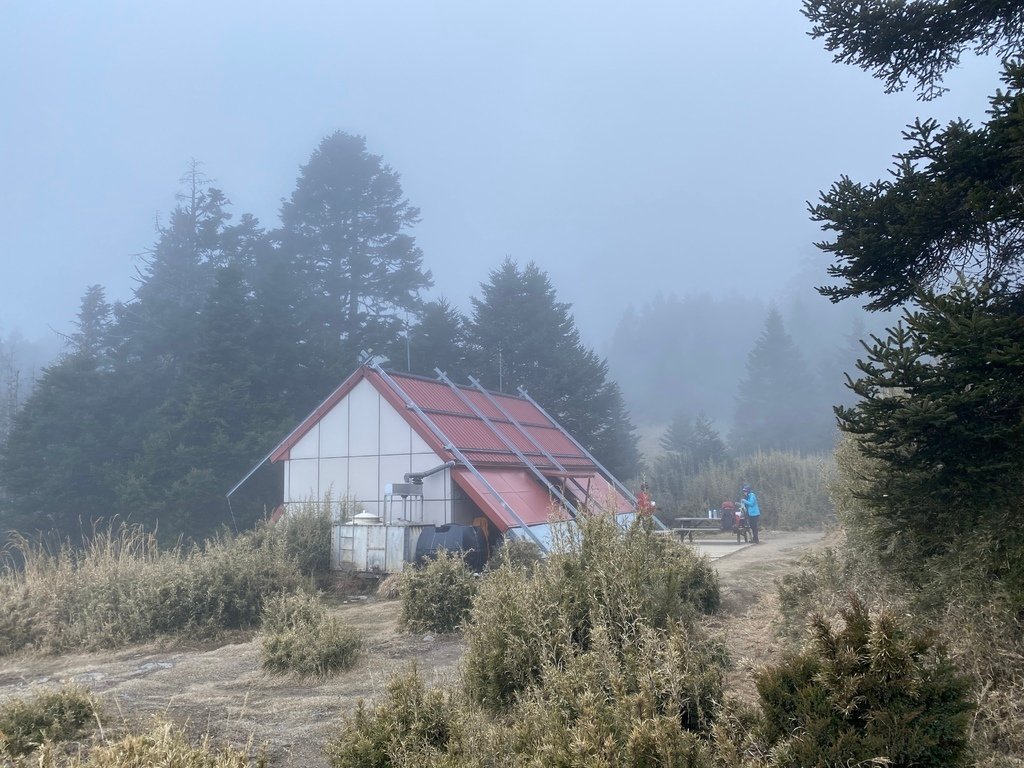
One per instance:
(55,462)
(774,397)
(345,231)
(439,340)
(522,336)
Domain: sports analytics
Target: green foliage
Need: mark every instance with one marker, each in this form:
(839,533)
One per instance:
(914,41)
(522,336)
(437,596)
(299,638)
(50,716)
(601,575)
(439,340)
(695,442)
(950,204)
(411,725)
(976,617)
(933,464)
(162,404)
(346,230)
(791,489)
(869,691)
(123,588)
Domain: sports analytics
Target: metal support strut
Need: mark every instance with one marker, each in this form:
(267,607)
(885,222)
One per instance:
(453,449)
(608,475)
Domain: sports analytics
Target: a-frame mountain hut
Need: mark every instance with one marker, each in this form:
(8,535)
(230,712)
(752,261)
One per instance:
(411,463)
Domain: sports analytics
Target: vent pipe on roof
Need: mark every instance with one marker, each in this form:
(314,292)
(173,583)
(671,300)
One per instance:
(417,477)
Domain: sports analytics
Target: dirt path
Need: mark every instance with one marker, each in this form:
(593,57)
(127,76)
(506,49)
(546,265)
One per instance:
(750,603)
(222,689)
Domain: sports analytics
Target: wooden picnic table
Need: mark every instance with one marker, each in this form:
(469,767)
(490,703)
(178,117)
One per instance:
(691,525)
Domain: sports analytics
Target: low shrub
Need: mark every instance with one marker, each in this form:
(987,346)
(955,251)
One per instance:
(651,706)
(303,534)
(410,725)
(51,716)
(870,692)
(122,588)
(437,596)
(516,553)
(645,703)
(162,745)
(599,574)
(302,640)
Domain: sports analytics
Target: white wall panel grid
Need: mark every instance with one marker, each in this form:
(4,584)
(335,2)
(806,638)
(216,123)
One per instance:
(364,420)
(303,480)
(395,432)
(334,431)
(364,478)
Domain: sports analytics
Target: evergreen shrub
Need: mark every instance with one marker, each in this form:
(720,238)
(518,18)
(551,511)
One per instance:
(646,702)
(599,573)
(870,692)
(437,596)
(301,639)
(411,725)
(51,716)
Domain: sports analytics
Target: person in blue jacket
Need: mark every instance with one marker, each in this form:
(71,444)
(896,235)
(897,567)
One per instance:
(749,502)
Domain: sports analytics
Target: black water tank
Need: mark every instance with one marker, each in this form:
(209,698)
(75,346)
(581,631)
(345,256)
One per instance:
(467,539)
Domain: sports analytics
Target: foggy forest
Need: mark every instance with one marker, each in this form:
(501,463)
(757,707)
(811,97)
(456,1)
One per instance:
(757,272)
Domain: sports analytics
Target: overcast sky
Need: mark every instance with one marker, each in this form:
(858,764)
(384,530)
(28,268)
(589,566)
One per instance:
(625,147)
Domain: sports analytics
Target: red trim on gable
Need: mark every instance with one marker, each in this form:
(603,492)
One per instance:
(283,449)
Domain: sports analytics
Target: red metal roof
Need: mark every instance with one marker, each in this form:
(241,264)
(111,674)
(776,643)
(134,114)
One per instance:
(467,431)
(528,499)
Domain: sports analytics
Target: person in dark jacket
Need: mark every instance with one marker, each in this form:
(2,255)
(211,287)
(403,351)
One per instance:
(749,501)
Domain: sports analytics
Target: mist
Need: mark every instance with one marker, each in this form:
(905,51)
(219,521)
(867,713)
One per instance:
(663,148)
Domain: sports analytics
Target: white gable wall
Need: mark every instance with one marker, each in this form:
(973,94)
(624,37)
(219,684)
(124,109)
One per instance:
(358,447)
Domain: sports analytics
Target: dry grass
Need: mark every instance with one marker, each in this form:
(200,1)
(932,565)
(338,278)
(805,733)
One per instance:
(163,744)
(121,588)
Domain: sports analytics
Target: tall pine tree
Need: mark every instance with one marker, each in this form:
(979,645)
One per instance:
(345,231)
(775,400)
(522,336)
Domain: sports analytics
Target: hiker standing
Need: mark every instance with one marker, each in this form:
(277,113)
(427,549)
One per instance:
(749,502)
(644,503)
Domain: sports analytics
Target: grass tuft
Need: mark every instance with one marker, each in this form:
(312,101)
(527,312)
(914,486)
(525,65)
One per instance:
(302,640)
(51,716)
